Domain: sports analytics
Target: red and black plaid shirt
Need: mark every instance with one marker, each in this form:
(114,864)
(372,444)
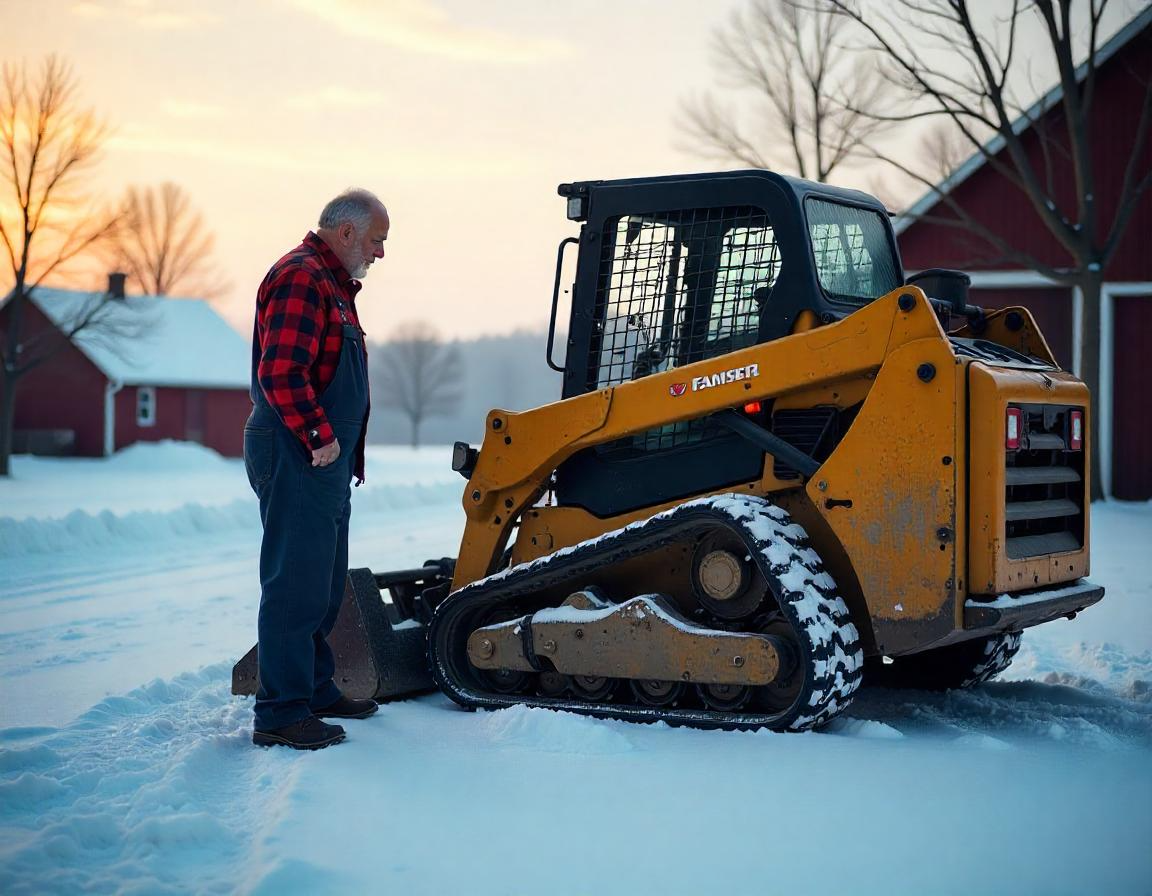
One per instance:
(300,332)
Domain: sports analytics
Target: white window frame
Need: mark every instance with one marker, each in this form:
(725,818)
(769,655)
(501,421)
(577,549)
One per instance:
(145,403)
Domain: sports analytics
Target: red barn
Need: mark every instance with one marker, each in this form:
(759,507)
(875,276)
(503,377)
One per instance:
(1124,69)
(148,368)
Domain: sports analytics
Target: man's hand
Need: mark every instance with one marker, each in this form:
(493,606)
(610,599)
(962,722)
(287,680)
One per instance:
(322,457)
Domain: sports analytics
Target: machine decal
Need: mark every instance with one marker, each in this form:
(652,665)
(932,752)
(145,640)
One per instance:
(725,376)
(677,389)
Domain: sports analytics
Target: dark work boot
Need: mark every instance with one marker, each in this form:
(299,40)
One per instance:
(347,708)
(307,734)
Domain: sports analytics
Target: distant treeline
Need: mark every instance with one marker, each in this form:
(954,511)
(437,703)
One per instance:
(507,372)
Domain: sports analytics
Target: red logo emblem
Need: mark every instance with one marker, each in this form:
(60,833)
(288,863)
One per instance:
(677,389)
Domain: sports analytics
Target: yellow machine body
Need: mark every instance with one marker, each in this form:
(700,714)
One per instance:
(908,511)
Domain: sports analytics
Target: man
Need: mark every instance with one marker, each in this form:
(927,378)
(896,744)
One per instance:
(302,445)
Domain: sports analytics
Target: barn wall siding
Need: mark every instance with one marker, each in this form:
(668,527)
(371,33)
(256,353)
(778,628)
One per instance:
(68,392)
(65,392)
(1050,306)
(169,417)
(1126,447)
(212,417)
(225,411)
(1003,208)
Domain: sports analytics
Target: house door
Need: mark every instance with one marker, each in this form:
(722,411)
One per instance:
(194,416)
(1131,422)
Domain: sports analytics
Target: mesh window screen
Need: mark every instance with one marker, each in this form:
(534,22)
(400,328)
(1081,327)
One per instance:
(678,287)
(854,260)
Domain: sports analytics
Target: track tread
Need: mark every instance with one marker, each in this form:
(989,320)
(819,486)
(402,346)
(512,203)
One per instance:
(998,655)
(961,665)
(806,594)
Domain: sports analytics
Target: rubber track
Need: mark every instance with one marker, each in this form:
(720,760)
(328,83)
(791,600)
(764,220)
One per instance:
(998,655)
(829,643)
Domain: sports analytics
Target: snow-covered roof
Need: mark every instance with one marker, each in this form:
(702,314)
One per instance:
(152,340)
(977,160)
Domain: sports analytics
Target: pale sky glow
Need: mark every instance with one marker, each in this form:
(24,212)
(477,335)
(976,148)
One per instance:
(462,115)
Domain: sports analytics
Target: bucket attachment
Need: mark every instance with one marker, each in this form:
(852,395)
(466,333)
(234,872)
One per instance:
(380,642)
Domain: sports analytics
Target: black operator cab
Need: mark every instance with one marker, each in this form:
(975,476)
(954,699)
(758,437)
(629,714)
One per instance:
(679,269)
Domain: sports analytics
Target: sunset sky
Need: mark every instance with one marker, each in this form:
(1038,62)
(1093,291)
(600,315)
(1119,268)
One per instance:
(463,116)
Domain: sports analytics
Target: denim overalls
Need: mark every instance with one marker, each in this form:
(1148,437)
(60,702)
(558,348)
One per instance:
(304,553)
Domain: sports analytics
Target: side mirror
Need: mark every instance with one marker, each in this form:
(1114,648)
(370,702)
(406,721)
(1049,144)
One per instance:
(944,285)
(464,458)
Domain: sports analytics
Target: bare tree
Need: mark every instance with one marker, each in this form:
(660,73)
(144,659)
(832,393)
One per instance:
(943,150)
(788,65)
(950,68)
(417,374)
(47,145)
(164,245)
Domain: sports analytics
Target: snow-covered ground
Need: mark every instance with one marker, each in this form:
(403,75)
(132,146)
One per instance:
(128,586)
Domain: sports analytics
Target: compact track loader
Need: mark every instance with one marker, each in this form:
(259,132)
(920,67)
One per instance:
(778,468)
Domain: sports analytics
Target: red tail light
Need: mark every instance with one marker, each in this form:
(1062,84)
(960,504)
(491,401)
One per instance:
(1013,430)
(1076,431)
(753,407)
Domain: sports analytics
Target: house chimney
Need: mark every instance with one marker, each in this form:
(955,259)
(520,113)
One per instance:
(116,285)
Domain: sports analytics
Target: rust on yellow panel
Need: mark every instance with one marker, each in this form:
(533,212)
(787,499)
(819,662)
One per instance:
(889,491)
(521,451)
(991,390)
(843,394)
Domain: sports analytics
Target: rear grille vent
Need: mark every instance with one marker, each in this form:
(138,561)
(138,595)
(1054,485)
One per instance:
(1044,486)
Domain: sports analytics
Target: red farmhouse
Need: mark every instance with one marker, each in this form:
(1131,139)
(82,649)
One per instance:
(150,368)
(1124,70)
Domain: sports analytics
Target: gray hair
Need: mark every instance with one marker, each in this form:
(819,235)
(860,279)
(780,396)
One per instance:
(353,205)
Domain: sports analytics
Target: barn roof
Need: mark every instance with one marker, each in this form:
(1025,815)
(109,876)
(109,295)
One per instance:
(976,161)
(152,340)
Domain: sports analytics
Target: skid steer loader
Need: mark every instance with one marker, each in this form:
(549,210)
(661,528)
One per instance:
(778,466)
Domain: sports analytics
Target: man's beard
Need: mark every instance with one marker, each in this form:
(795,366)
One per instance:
(359,271)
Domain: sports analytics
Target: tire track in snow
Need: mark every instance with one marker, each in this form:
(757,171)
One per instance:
(156,791)
(160,790)
(1004,714)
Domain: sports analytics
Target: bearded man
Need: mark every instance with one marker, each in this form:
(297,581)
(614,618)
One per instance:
(303,444)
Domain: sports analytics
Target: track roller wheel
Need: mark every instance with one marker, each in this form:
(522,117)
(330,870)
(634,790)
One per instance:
(656,693)
(505,681)
(502,681)
(551,684)
(725,580)
(592,688)
(725,697)
(782,693)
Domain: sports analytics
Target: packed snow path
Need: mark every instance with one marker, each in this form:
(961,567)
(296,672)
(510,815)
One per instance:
(1042,783)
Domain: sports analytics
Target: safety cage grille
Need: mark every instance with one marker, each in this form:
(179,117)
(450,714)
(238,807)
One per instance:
(674,288)
(1044,485)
